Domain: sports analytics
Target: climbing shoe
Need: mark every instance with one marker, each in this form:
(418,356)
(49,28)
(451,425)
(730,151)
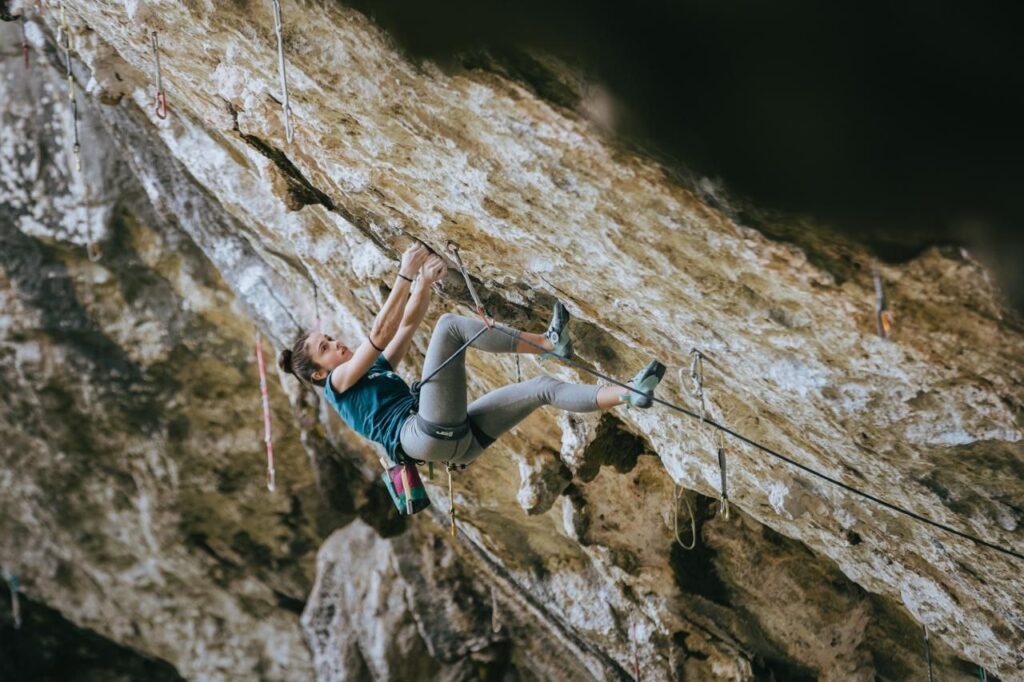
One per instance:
(558,334)
(646,380)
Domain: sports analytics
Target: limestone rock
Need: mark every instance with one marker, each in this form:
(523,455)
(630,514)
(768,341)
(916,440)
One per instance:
(131,421)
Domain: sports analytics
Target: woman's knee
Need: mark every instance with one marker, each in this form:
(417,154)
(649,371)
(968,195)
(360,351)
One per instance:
(544,386)
(448,323)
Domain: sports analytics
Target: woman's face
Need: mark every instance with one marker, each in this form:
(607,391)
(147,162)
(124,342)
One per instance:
(326,352)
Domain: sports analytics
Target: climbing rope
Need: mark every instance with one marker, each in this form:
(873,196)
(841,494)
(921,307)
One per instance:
(883,318)
(728,431)
(679,492)
(161,98)
(14,586)
(286,105)
(928,653)
(271,476)
(451,498)
(417,385)
(71,84)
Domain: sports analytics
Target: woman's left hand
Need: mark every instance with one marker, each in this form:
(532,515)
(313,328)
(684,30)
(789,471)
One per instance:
(433,270)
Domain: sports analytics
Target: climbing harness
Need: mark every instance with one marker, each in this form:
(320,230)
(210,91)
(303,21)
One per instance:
(71,85)
(161,98)
(286,105)
(12,583)
(271,476)
(678,492)
(723,505)
(24,40)
(883,318)
(928,653)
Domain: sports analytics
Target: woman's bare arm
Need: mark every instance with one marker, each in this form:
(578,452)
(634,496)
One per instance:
(415,310)
(385,325)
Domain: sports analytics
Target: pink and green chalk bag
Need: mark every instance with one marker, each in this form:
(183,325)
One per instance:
(406,488)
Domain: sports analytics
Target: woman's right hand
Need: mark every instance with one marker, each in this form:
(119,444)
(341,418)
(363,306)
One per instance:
(412,259)
(433,270)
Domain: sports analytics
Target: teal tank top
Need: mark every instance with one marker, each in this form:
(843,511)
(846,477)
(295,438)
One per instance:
(376,406)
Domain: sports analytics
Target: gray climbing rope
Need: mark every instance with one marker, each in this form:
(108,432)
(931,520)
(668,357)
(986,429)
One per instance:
(740,437)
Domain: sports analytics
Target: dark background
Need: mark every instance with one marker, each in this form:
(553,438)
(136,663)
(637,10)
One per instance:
(898,124)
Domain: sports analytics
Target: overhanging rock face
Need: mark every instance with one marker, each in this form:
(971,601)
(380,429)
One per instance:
(804,579)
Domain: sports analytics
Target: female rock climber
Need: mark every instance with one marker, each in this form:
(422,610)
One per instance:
(378,405)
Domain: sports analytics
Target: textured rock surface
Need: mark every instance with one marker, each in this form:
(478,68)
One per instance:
(131,419)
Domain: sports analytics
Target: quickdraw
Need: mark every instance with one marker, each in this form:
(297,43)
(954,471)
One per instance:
(271,476)
(161,98)
(723,505)
(697,377)
(883,318)
(24,40)
(928,653)
(92,247)
(451,498)
(636,657)
(316,306)
(71,85)
(286,105)
(453,248)
(495,622)
(12,583)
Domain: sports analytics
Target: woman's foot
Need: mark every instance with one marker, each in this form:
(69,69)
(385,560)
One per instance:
(645,381)
(557,333)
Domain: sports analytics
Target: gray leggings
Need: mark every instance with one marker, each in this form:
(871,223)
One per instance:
(443,398)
